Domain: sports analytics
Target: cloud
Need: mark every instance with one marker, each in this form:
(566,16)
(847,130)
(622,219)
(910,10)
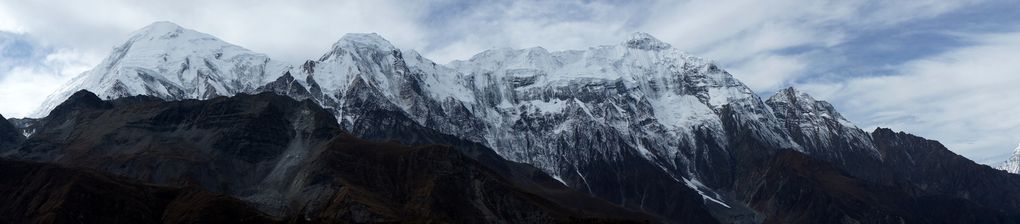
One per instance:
(770,71)
(741,34)
(554,25)
(7,23)
(292,31)
(24,87)
(30,70)
(967,98)
(736,34)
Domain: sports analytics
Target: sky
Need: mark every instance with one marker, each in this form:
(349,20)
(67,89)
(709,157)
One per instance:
(940,69)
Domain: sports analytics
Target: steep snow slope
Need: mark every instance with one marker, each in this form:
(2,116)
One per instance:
(817,126)
(171,62)
(660,101)
(402,77)
(1012,165)
(554,110)
(605,120)
(815,119)
(823,133)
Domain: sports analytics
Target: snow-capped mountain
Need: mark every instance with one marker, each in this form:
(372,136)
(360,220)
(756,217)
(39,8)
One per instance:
(823,133)
(816,123)
(171,62)
(577,115)
(574,114)
(656,99)
(1012,165)
(632,123)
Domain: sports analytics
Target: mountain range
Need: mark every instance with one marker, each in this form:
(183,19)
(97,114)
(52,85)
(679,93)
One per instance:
(635,131)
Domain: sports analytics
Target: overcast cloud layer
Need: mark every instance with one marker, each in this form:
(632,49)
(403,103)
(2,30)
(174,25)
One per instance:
(940,69)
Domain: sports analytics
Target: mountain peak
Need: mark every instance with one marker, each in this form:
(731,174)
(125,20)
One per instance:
(80,99)
(1012,164)
(161,26)
(84,95)
(645,41)
(166,60)
(791,95)
(164,36)
(799,102)
(164,30)
(360,40)
(815,123)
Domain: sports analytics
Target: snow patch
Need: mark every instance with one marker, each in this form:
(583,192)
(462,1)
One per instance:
(560,179)
(551,106)
(701,189)
(682,111)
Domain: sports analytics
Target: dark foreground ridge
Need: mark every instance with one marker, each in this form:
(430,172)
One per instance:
(263,158)
(10,136)
(44,193)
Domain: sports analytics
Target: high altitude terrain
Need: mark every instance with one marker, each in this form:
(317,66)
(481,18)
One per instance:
(642,126)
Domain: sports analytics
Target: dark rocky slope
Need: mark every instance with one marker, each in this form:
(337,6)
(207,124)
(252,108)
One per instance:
(918,166)
(26,126)
(43,193)
(795,188)
(389,181)
(290,159)
(10,136)
(932,169)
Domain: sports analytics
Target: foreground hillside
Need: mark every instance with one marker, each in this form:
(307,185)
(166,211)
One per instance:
(289,159)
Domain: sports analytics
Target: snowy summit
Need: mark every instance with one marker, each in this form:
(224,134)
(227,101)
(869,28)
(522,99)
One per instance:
(1012,165)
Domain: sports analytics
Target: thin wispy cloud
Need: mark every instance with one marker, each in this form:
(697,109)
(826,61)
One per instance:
(966,97)
(884,63)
